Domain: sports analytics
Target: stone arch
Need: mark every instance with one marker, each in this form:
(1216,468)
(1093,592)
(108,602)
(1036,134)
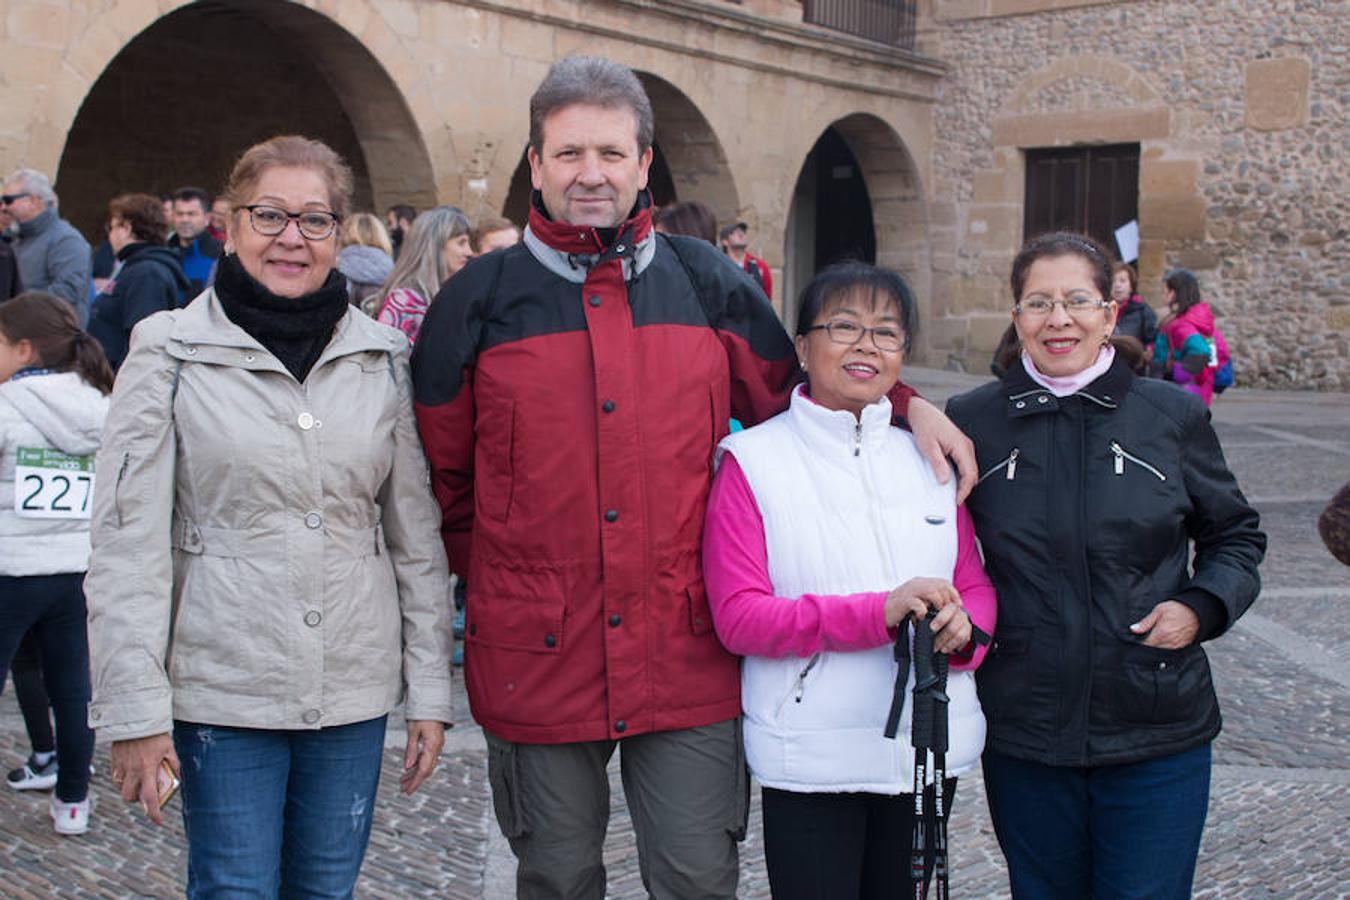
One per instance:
(1121,82)
(894,192)
(145,125)
(690,150)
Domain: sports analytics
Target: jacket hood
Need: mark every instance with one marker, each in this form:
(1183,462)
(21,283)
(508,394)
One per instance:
(1201,317)
(63,407)
(365,265)
(146,253)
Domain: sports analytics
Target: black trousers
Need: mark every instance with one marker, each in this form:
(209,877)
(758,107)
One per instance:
(26,671)
(819,846)
(52,607)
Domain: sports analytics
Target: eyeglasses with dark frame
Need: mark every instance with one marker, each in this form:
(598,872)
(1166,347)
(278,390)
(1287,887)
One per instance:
(270,221)
(1077,304)
(8,199)
(886,338)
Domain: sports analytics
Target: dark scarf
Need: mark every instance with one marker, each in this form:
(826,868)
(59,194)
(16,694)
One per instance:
(294,329)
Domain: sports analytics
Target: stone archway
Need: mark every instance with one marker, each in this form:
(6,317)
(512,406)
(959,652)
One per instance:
(881,219)
(690,152)
(147,123)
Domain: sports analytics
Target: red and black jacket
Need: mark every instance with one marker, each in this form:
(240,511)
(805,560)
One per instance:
(570,391)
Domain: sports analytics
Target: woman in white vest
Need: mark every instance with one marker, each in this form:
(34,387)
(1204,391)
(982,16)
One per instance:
(825,530)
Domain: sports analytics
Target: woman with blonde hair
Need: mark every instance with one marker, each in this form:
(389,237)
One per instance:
(267,579)
(436,247)
(366,259)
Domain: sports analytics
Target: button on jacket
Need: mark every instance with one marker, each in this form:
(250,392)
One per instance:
(265,552)
(1085,509)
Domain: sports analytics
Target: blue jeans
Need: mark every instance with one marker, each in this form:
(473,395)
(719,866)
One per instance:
(277,813)
(1104,832)
(50,610)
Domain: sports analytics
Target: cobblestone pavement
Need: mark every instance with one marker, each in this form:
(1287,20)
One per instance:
(1279,819)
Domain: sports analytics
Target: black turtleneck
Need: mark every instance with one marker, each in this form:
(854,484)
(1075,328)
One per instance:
(294,329)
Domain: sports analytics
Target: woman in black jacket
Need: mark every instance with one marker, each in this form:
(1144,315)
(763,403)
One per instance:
(1098,695)
(1134,318)
(149,280)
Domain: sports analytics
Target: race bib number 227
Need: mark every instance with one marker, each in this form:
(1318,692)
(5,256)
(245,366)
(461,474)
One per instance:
(49,484)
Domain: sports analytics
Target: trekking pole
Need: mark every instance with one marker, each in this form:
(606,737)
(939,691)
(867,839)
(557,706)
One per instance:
(929,731)
(925,680)
(940,798)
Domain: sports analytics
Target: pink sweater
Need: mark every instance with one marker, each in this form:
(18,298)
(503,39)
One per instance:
(751,621)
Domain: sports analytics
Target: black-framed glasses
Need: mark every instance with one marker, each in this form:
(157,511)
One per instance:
(270,221)
(7,199)
(1038,306)
(887,338)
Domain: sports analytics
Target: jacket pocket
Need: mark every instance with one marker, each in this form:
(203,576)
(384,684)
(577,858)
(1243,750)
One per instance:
(1005,677)
(1155,686)
(700,616)
(518,606)
(494,475)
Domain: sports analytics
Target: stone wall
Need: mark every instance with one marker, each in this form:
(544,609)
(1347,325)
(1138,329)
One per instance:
(1239,107)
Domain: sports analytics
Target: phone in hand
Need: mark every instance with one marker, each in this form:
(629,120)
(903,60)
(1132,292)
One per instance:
(166,783)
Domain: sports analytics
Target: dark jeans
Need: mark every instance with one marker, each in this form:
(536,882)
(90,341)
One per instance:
(26,671)
(52,607)
(277,813)
(1104,832)
(825,846)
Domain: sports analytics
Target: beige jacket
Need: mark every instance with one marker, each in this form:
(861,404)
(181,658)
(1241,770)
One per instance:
(266,554)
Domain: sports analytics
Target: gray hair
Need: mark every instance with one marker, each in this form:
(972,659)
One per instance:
(421,265)
(35,183)
(596,81)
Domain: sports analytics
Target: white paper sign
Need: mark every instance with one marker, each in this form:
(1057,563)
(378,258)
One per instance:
(49,484)
(1127,241)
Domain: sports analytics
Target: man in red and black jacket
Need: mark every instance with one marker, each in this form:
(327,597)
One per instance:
(569,392)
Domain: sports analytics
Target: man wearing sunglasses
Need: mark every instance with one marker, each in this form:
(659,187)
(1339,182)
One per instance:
(52,255)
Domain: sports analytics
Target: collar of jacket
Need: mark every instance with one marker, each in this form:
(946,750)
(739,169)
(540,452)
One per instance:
(204,244)
(202,332)
(571,251)
(835,432)
(38,224)
(1026,397)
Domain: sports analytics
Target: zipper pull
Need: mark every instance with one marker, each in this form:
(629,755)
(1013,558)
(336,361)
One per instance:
(857,441)
(1119,451)
(801,676)
(1012,463)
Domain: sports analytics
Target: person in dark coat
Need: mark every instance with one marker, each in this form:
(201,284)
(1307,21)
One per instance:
(11,284)
(1095,486)
(1134,318)
(151,278)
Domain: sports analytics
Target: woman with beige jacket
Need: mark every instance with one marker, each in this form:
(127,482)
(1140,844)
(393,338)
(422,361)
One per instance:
(267,579)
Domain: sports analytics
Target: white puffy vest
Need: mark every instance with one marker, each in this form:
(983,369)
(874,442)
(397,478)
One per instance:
(848,507)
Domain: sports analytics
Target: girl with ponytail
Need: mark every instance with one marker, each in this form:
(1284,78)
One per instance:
(54,385)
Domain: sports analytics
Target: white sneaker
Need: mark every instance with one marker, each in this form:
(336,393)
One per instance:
(32,777)
(70,818)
